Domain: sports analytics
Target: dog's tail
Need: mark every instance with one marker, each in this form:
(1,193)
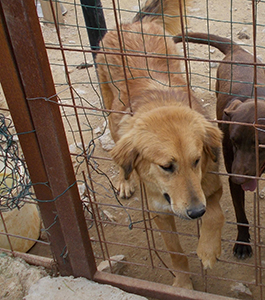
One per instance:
(223,44)
(166,13)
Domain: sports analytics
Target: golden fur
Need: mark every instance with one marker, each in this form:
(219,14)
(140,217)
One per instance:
(172,147)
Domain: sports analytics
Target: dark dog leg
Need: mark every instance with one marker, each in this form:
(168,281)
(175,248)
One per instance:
(238,196)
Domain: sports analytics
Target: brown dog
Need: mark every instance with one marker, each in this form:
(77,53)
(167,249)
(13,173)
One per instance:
(171,147)
(236,103)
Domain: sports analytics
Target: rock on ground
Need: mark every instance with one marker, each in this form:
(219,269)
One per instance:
(19,280)
(16,277)
(70,288)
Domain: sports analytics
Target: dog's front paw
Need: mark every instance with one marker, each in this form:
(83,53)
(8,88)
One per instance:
(183,281)
(126,188)
(242,248)
(242,251)
(208,255)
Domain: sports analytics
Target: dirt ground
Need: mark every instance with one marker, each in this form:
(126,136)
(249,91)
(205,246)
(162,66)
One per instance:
(230,277)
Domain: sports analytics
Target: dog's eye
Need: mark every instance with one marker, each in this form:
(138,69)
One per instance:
(196,162)
(168,168)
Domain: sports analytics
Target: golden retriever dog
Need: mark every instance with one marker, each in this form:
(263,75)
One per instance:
(164,136)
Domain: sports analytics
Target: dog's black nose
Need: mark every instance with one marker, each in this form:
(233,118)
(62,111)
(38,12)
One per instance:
(196,212)
(167,197)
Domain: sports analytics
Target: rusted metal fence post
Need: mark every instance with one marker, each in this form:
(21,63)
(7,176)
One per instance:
(25,74)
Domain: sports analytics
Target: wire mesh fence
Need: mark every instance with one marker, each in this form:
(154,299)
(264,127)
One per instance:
(126,227)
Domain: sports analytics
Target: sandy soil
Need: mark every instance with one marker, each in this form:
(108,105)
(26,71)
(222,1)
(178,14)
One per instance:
(228,278)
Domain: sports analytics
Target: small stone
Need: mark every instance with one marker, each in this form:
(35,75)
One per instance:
(116,264)
(262,194)
(106,141)
(259,57)
(242,289)
(82,190)
(80,91)
(206,104)
(194,9)
(243,35)
(109,216)
(97,130)
(213,65)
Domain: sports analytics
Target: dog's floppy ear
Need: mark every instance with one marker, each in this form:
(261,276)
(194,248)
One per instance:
(213,141)
(231,108)
(125,155)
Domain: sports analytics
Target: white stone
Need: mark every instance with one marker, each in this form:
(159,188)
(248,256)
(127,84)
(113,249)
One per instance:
(106,141)
(116,264)
(240,288)
(69,288)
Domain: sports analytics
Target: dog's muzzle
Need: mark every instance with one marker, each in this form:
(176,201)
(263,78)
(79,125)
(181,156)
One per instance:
(197,211)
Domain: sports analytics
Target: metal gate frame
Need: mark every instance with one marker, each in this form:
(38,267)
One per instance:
(25,75)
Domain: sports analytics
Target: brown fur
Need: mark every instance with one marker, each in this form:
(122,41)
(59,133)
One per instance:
(235,102)
(172,148)
(165,13)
